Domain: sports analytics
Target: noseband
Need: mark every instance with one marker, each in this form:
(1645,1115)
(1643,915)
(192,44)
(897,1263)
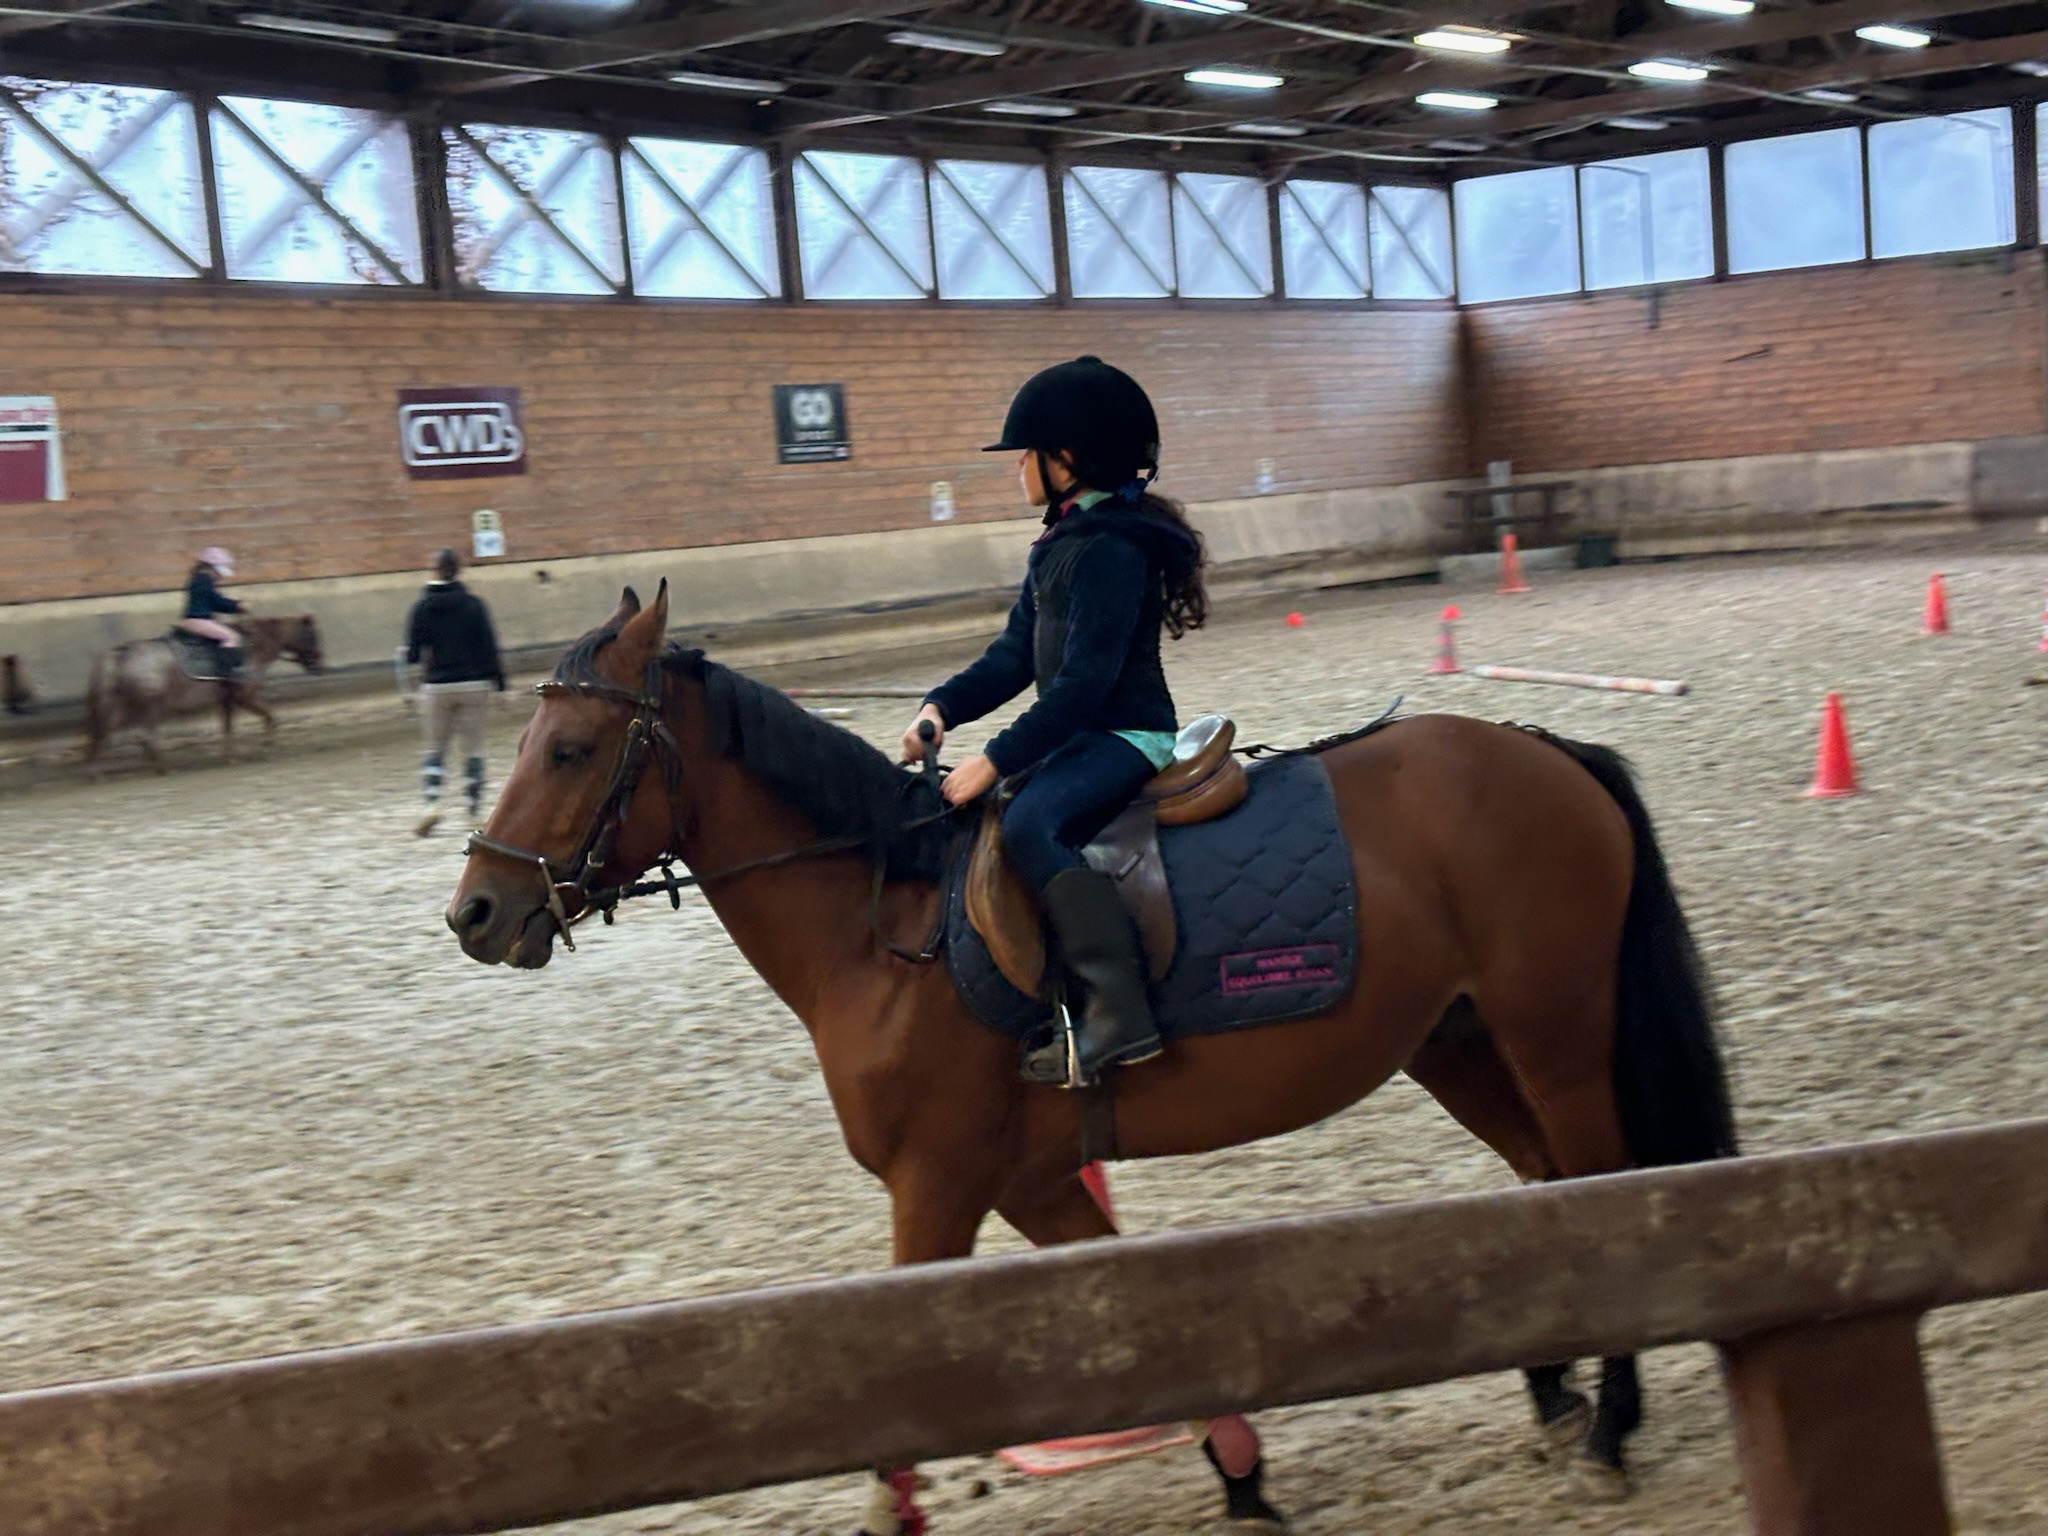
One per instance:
(646,733)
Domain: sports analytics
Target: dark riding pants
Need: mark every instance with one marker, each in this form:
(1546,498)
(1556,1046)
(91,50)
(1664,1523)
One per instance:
(1073,795)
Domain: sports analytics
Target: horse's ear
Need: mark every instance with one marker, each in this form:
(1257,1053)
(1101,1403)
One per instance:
(648,627)
(629,604)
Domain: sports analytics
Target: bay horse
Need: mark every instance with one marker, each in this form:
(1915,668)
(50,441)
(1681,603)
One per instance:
(1524,959)
(140,684)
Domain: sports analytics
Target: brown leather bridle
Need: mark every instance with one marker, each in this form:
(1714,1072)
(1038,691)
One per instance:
(648,735)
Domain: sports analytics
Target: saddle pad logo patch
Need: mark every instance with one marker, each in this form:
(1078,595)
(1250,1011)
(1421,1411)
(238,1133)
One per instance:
(1261,970)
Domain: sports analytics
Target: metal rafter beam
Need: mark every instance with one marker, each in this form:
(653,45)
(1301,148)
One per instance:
(753,23)
(74,10)
(1704,38)
(1865,70)
(974,87)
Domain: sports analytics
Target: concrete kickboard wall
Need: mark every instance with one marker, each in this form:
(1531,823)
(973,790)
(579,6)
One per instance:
(1272,543)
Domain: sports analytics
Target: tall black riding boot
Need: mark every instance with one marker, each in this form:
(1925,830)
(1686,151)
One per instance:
(1098,945)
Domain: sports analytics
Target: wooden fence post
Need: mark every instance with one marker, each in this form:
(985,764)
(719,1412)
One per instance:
(1833,1429)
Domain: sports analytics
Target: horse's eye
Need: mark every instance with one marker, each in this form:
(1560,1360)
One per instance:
(569,754)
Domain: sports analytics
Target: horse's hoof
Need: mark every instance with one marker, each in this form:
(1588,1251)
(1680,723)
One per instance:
(1272,1523)
(1565,1431)
(1598,1483)
(1244,1500)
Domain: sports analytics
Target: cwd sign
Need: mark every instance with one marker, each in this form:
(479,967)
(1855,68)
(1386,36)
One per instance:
(460,434)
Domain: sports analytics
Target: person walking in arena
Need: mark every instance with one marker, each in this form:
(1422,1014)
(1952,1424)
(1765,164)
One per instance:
(1115,565)
(204,601)
(450,632)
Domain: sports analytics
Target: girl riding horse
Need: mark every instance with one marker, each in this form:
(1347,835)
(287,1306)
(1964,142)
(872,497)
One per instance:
(204,599)
(1115,565)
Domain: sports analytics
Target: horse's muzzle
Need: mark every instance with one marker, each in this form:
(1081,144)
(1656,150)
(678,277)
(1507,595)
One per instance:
(495,933)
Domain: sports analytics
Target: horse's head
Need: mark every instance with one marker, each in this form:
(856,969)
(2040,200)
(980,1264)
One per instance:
(551,834)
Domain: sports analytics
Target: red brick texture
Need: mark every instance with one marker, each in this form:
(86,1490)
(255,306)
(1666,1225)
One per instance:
(1851,357)
(268,423)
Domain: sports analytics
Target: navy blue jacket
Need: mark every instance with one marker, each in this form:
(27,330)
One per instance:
(450,626)
(1085,629)
(203,599)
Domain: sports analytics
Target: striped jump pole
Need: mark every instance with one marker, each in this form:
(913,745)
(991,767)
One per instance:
(1659,685)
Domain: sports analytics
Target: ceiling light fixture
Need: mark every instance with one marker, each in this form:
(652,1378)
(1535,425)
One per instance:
(1668,69)
(1031,108)
(1895,37)
(1458,101)
(1461,146)
(1639,124)
(1464,40)
(1269,130)
(1236,79)
(1202,7)
(751,84)
(1831,98)
(1717,7)
(938,42)
(338,30)
(2038,68)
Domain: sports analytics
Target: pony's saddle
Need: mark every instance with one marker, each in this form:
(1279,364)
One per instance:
(201,659)
(1204,781)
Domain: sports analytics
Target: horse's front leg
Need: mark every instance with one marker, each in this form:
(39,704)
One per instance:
(937,1205)
(245,697)
(1065,1210)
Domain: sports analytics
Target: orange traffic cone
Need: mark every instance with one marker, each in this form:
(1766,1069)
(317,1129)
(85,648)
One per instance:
(1511,565)
(1834,770)
(1445,661)
(1934,618)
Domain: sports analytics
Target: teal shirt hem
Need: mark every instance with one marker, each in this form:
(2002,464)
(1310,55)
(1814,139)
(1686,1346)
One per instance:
(1156,745)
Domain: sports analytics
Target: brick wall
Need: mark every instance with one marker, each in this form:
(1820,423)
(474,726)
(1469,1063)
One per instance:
(267,423)
(1868,356)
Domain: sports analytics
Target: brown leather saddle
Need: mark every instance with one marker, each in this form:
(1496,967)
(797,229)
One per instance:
(1204,781)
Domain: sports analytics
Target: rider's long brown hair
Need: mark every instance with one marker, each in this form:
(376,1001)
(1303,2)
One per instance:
(1187,596)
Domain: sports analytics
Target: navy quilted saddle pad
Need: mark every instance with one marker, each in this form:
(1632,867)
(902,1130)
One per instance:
(1263,898)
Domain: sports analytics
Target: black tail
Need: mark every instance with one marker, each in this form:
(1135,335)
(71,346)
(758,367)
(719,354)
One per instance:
(1668,1078)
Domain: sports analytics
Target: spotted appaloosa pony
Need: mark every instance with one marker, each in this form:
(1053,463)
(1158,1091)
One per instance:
(1524,959)
(140,684)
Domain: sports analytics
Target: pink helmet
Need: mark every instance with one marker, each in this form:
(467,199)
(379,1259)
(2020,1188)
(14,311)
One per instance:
(218,558)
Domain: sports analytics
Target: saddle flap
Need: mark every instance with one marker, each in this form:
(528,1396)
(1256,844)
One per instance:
(1005,913)
(200,660)
(1128,852)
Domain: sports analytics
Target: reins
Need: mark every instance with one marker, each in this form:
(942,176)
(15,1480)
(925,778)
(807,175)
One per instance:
(648,733)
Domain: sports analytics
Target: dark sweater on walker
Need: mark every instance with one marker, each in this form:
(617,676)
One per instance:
(1085,630)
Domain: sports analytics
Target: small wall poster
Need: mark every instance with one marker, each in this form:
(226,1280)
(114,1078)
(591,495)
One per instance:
(31,451)
(810,424)
(486,535)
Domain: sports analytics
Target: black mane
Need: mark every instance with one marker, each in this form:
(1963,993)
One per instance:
(831,777)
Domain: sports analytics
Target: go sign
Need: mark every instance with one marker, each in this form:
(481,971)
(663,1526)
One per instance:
(810,424)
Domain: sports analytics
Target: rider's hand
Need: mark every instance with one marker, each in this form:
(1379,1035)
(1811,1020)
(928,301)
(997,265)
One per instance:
(970,781)
(913,746)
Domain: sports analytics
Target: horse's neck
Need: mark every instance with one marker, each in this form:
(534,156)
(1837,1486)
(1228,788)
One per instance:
(805,925)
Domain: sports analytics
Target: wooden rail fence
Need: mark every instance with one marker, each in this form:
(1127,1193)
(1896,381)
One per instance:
(1811,1270)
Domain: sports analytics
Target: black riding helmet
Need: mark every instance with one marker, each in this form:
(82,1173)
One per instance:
(1097,413)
